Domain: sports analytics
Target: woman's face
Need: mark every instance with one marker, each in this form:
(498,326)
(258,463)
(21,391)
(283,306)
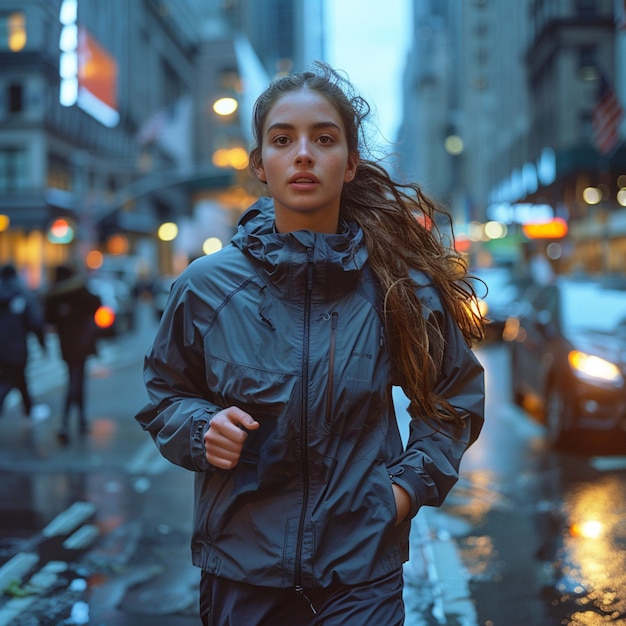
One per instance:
(305,161)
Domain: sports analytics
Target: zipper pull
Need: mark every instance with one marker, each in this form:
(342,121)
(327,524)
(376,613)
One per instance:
(300,592)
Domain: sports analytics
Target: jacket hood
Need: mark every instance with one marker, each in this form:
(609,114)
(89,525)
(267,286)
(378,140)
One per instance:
(283,260)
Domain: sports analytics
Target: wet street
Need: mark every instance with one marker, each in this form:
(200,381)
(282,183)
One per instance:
(97,532)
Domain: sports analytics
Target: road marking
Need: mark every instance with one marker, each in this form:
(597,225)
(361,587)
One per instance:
(16,567)
(39,584)
(147,460)
(70,519)
(82,538)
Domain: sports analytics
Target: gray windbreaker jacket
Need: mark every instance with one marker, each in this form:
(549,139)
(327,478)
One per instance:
(287,327)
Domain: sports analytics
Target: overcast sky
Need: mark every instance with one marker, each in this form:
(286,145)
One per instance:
(369,40)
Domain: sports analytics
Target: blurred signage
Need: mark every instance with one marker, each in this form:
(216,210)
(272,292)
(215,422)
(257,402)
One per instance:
(88,72)
(527,179)
(520,213)
(97,79)
(554,229)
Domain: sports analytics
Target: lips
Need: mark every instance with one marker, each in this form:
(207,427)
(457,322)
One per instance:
(303,179)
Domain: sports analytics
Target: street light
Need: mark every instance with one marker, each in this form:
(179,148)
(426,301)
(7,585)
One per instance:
(453,145)
(225,106)
(168,231)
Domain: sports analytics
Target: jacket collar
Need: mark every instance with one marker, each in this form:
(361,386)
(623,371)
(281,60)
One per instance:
(282,259)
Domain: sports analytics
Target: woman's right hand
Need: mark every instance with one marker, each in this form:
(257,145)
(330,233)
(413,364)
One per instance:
(224,439)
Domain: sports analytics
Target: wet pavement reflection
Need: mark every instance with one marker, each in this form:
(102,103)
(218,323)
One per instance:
(97,532)
(542,533)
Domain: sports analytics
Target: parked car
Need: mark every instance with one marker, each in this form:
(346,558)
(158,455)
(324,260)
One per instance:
(498,290)
(568,356)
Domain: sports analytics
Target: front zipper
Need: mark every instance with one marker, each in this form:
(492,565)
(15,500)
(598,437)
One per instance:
(334,321)
(304,419)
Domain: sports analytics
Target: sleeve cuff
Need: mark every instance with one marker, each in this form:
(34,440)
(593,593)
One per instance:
(198,454)
(398,477)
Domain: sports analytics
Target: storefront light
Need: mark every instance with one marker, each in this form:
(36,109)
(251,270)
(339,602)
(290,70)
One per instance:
(17,32)
(621,197)
(495,230)
(592,195)
(235,157)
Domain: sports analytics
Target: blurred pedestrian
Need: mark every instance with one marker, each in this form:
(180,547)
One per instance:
(21,313)
(272,370)
(70,308)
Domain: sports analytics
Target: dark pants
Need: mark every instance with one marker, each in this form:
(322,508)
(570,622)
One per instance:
(14,377)
(227,603)
(75,395)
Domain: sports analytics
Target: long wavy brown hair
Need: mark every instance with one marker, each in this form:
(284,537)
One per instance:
(403,230)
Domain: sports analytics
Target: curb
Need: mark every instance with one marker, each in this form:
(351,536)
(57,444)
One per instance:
(437,559)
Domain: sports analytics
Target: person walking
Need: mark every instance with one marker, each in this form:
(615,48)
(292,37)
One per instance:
(70,308)
(21,314)
(271,374)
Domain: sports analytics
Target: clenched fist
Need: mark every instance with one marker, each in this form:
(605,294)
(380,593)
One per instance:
(224,439)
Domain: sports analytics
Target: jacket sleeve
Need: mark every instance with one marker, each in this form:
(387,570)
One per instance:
(429,467)
(178,410)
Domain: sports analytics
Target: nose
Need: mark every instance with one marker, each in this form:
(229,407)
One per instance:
(303,154)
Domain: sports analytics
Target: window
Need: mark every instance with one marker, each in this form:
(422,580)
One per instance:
(13,31)
(15,98)
(586,8)
(587,67)
(13,170)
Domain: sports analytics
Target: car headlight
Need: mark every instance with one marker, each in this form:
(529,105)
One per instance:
(593,367)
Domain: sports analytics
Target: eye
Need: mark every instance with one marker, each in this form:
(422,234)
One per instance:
(326,139)
(281,140)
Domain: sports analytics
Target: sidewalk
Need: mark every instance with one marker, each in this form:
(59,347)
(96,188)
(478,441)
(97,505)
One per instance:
(436,581)
(436,591)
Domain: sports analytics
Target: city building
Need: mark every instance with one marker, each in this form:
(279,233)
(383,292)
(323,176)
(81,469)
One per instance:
(79,83)
(510,120)
(125,126)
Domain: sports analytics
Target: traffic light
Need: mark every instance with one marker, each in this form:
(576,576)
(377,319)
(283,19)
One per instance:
(61,231)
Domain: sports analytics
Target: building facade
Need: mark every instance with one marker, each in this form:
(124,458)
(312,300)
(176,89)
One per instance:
(78,82)
(518,84)
(117,117)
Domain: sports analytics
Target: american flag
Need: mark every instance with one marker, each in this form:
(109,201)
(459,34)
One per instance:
(606,119)
(150,130)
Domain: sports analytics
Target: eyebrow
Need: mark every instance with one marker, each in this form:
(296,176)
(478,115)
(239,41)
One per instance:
(316,126)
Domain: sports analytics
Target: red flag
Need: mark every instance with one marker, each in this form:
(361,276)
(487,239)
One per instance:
(606,120)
